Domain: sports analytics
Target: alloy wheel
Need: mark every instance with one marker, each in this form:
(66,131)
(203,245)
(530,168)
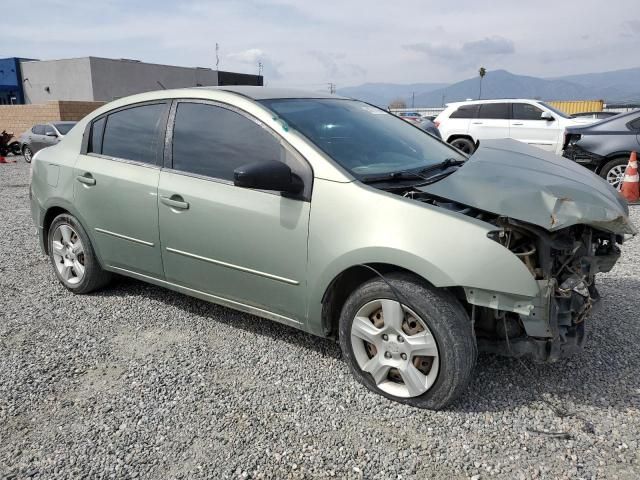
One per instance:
(68,254)
(393,345)
(28,155)
(615,176)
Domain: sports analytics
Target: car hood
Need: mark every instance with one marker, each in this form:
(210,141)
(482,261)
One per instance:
(512,179)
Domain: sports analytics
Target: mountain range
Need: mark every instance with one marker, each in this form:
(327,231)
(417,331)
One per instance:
(619,86)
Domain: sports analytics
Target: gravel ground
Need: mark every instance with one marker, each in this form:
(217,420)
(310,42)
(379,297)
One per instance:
(138,381)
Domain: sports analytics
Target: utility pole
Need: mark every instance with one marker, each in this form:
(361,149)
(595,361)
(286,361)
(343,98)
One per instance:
(413,99)
(217,55)
(260,67)
(332,88)
(443,97)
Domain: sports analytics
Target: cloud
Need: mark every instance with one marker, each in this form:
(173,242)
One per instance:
(254,56)
(335,68)
(469,53)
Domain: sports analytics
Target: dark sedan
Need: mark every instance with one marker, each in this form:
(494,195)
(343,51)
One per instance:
(605,146)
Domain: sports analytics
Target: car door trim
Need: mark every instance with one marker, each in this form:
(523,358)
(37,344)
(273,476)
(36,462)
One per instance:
(233,266)
(124,237)
(260,312)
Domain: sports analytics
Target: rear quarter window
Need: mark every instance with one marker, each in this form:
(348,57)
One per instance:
(466,111)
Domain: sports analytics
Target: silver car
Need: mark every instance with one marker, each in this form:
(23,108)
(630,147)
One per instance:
(336,218)
(41,136)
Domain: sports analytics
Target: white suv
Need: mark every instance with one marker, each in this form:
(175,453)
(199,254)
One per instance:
(463,124)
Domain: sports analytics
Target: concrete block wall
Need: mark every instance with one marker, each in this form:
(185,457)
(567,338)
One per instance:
(19,118)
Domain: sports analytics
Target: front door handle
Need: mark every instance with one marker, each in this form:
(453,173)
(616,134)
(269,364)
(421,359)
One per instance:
(517,124)
(87,179)
(476,123)
(175,201)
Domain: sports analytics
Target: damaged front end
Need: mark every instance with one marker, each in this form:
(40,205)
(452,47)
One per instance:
(564,264)
(562,221)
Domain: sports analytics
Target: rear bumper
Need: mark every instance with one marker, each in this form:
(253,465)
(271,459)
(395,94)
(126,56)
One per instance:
(584,157)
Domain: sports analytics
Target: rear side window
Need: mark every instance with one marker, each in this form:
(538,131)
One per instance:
(38,129)
(466,111)
(213,141)
(134,133)
(494,111)
(525,111)
(97,129)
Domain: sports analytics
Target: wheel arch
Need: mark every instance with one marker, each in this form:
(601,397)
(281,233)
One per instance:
(345,282)
(612,156)
(455,136)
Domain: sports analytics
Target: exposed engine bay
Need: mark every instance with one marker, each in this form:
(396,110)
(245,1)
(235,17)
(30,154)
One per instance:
(563,262)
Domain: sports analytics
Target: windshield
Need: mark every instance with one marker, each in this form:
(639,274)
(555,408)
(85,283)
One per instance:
(554,110)
(64,128)
(363,139)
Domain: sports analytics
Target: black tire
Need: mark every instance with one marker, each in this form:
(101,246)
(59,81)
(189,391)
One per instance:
(94,276)
(27,154)
(15,148)
(611,165)
(444,316)
(466,145)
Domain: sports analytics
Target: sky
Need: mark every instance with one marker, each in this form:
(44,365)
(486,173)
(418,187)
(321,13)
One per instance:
(307,44)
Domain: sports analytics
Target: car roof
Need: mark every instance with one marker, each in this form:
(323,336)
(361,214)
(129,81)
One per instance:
(64,122)
(269,93)
(493,100)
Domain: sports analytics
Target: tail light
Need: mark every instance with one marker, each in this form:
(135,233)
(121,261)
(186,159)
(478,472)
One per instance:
(436,123)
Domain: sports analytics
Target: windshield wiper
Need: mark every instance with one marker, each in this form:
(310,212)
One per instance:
(449,162)
(408,174)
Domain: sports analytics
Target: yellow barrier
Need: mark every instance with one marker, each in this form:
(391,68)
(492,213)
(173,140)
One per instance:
(577,106)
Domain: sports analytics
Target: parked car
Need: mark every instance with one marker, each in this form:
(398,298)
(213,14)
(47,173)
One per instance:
(414,117)
(41,136)
(429,127)
(594,115)
(464,124)
(604,147)
(337,218)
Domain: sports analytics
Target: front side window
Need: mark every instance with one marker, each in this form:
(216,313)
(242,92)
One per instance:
(497,111)
(466,111)
(134,133)
(214,141)
(38,129)
(48,130)
(634,124)
(363,139)
(64,128)
(526,111)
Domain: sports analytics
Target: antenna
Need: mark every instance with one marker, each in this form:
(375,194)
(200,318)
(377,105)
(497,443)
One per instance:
(332,88)
(217,55)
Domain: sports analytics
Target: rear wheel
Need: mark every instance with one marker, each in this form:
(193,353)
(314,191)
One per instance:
(463,144)
(28,154)
(421,352)
(72,256)
(613,171)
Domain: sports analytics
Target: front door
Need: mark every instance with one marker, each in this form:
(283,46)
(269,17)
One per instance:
(528,126)
(246,246)
(116,187)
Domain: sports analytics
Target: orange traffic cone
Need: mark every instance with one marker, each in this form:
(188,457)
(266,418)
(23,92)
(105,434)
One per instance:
(630,185)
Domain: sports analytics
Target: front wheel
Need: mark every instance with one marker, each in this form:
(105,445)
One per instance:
(72,256)
(420,352)
(27,153)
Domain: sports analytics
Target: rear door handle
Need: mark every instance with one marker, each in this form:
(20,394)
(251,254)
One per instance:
(517,124)
(175,201)
(477,123)
(87,179)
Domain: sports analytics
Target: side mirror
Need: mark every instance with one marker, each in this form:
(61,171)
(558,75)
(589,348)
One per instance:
(268,176)
(547,116)
(51,133)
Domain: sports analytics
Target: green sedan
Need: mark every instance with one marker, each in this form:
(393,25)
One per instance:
(335,217)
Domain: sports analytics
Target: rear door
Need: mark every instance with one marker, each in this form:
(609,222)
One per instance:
(248,247)
(527,126)
(116,187)
(492,122)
